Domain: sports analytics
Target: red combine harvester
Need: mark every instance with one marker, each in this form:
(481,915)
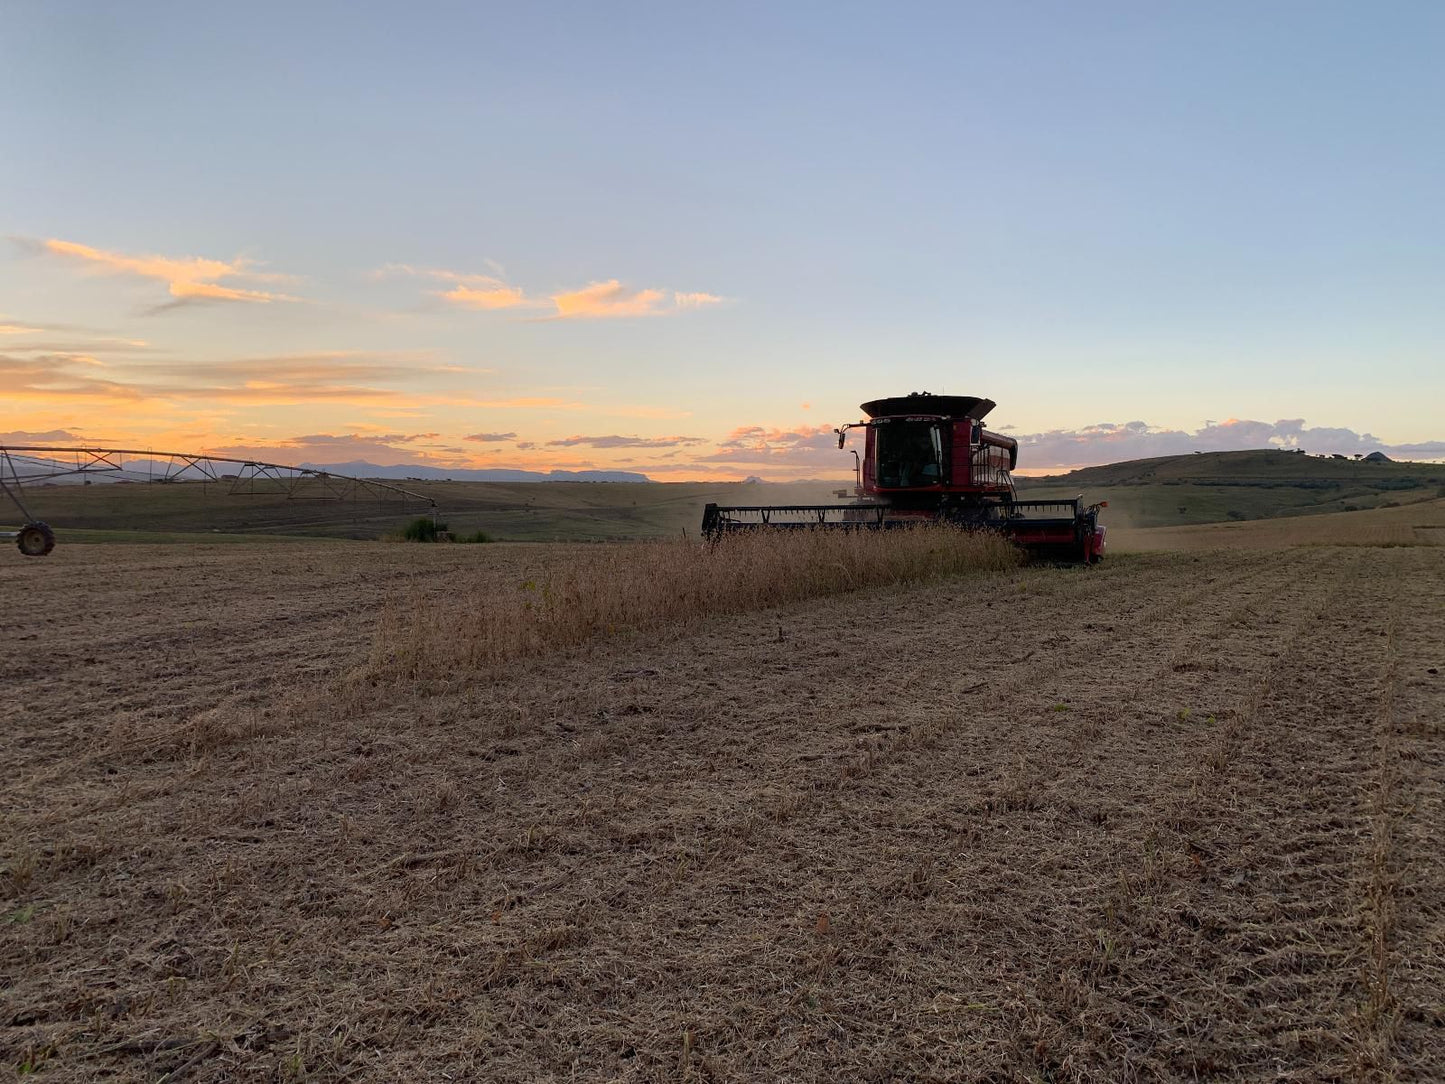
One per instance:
(928,459)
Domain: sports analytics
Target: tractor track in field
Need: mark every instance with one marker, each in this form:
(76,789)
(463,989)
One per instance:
(111,644)
(1402,1020)
(1164,819)
(917,762)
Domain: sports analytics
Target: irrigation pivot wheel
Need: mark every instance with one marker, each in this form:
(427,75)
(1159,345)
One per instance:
(35,539)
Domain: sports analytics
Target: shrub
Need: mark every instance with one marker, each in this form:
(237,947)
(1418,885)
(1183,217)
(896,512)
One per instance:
(423,529)
(647,584)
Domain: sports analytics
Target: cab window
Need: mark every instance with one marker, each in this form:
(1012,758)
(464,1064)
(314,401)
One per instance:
(909,454)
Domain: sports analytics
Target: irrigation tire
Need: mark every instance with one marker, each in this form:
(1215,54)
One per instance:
(35,539)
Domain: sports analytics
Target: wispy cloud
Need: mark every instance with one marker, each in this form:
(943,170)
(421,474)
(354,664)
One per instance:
(625,442)
(602,300)
(48,436)
(187,278)
(695,300)
(82,346)
(385,449)
(597,300)
(490,438)
(337,377)
(807,446)
(486,295)
(323,365)
(65,338)
(59,376)
(607,299)
(467,290)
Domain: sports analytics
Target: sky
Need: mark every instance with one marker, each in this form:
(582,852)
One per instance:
(688,240)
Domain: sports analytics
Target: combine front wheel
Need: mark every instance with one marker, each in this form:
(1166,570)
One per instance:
(35,539)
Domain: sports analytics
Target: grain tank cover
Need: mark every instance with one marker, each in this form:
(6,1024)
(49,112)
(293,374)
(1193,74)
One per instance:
(921,402)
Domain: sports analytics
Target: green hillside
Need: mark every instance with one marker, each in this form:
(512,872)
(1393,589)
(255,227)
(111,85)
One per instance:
(1208,487)
(1172,490)
(521,511)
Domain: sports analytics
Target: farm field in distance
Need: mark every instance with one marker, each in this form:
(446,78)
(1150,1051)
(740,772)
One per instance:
(1174,817)
(1210,487)
(508,511)
(1179,491)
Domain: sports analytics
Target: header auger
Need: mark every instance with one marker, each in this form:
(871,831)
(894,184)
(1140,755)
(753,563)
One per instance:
(928,459)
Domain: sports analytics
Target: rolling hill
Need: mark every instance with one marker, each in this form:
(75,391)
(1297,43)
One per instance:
(1210,487)
(1168,491)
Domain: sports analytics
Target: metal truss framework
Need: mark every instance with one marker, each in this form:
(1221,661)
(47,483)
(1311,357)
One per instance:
(31,464)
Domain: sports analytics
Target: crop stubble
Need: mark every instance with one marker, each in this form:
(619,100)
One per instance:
(1173,817)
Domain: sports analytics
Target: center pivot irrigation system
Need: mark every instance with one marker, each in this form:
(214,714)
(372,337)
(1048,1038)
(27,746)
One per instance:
(43,465)
(928,459)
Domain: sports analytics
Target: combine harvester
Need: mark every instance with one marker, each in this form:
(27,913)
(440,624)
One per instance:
(928,459)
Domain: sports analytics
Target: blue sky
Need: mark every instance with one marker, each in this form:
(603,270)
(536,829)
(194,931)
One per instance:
(679,226)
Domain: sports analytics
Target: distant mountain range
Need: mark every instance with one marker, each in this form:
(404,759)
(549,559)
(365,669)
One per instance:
(359,468)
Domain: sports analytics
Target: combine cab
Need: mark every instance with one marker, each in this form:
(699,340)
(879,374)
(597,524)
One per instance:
(928,459)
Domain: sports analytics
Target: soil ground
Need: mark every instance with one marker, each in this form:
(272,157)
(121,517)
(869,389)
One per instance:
(1175,817)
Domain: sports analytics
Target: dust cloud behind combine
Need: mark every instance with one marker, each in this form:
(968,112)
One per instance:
(1173,817)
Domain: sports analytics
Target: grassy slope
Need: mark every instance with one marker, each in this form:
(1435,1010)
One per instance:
(552,511)
(1421,523)
(1170,491)
(1218,486)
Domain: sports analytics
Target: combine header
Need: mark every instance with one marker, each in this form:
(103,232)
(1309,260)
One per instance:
(928,459)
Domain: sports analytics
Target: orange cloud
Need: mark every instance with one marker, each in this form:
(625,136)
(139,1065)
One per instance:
(814,447)
(334,377)
(612,299)
(388,448)
(470,291)
(187,279)
(495,295)
(595,300)
(695,300)
(617,441)
(603,299)
(54,376)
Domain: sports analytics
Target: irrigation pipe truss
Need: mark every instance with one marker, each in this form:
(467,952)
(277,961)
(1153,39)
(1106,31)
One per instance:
(249,477)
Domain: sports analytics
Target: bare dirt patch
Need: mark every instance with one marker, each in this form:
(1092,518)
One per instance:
(1175,817)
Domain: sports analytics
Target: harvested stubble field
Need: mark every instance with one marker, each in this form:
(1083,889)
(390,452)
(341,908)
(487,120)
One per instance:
(1175,817)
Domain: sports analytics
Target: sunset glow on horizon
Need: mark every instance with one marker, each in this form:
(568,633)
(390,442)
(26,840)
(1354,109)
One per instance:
(688,244)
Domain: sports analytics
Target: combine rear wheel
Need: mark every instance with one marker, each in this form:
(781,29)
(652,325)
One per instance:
(35,539)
